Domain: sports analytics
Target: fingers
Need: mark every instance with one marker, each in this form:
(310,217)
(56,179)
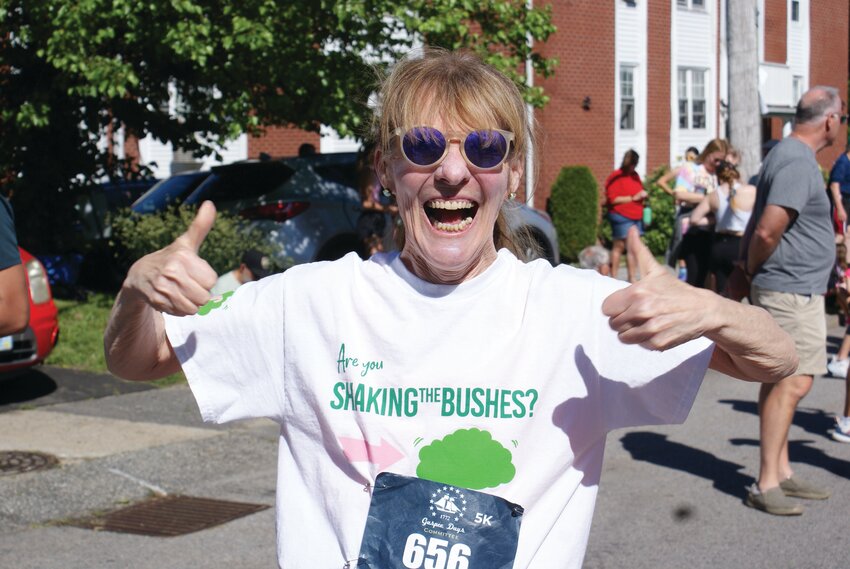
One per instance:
(200,226)
(647,265)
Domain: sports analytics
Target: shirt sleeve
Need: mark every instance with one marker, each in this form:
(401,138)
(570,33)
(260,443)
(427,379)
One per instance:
(789,187)
(9,254)
(232,352)
(637,386)
(840,171)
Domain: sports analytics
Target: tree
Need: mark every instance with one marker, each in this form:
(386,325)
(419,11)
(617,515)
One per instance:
(72,70)
(744,111)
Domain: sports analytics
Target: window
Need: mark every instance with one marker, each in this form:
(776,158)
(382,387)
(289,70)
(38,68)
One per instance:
(797,87)
(691,90)
(627,97)
(795,10)
(692,4)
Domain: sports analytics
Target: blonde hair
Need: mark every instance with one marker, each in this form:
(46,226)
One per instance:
(458,88)
(714,145)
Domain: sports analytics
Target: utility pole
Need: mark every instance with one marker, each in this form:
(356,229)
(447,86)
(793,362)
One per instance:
(744,110)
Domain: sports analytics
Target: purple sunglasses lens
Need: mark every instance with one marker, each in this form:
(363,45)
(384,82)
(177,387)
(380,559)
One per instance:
(423,145)
(485,148)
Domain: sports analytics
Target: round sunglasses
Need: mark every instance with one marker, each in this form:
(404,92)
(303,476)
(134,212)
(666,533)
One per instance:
(484,149)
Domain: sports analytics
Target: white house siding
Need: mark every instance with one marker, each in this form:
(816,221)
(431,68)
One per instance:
(798,43)
(694,45)
(630,49)
(156,155)
(332,142)
(234,151)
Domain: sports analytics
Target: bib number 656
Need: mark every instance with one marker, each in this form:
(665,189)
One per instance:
(432,553)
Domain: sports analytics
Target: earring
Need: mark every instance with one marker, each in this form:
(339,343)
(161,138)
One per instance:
(512,195)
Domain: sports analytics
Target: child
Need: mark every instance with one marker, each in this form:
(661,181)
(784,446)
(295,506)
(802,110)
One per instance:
(840,362)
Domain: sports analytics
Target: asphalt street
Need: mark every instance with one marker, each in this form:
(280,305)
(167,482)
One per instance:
(669,497)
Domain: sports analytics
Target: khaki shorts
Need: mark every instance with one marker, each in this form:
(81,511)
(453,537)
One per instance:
(803,317)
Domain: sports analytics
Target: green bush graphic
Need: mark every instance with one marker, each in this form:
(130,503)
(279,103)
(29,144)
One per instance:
(468,458)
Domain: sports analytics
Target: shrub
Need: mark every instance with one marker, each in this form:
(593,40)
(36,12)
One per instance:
(657,235)
(574,208)
(134,236)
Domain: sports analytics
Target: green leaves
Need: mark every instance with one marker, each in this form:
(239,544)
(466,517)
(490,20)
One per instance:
(198,73)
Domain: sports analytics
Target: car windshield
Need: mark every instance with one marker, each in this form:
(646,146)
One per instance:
(242,181)
(171,191)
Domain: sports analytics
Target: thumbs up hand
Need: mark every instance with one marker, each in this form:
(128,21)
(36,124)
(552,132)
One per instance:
(175,279)
(659,311)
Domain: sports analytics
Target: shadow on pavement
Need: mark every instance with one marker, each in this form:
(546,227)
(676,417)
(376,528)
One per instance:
(801,451)
(26,386)
(48,385)
(814,421)
(656,449)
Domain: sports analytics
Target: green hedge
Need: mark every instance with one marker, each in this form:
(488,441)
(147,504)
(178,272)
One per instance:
(134,236)
(574,208)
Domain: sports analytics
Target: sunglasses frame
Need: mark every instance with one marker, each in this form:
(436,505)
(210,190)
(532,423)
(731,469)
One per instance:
(842,117)
(460,138)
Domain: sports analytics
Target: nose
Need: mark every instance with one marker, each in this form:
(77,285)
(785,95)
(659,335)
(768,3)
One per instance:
(453,170)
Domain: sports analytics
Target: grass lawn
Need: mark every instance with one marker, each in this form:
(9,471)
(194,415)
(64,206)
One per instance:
(81,326)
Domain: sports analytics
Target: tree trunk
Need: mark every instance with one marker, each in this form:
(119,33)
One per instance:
(744,110)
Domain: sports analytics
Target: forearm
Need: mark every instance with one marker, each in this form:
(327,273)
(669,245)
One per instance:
(760,249)
(749,343)
(135,343)
(688,197)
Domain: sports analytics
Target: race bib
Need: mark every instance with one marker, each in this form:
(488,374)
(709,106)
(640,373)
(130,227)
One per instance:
(416,523)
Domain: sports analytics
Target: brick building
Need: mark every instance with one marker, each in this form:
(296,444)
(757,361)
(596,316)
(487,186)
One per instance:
(643,74)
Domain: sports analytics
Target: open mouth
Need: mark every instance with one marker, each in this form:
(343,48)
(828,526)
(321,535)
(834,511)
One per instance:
(450,215)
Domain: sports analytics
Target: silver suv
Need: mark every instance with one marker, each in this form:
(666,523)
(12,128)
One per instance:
(308,206)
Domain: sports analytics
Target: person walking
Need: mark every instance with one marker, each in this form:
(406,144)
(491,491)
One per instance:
(684,175)
(839,185)
(625,194)
(790,251)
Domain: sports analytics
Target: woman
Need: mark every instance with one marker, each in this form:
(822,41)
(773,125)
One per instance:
(684,175)
(625,196)
(731,205)
(414,388)
(696,241)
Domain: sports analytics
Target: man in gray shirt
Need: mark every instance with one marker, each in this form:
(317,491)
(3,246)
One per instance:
(790,250)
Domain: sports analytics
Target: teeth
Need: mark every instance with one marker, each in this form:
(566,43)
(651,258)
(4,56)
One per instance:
(454,227)
(450,204)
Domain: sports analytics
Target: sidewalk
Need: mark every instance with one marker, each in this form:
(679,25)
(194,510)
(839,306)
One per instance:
(669,496)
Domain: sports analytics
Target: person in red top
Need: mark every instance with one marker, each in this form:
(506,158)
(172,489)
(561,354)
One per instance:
(625,196)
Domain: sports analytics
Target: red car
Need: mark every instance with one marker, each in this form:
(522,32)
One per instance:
(33,345)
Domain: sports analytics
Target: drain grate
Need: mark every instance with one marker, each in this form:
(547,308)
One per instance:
(170,516)
(18,461)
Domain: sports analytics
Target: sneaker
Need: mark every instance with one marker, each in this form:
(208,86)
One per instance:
(683,274)
(773,501)
(799,488)
(838,368)
(841,432)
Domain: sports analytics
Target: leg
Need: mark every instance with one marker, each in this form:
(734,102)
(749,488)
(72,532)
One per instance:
(617,248)
(844,349)
(631,264)
(777,404)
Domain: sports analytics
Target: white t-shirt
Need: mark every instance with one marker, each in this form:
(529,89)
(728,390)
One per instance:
(364,365)
(225,283)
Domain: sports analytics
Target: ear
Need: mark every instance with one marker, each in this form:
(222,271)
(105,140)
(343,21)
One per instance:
(517,167)
(382,170)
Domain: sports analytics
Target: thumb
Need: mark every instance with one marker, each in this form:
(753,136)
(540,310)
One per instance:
(200,226)
(647,265)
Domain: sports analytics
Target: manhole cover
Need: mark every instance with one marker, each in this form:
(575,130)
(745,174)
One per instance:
(170,516)
(17,461)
